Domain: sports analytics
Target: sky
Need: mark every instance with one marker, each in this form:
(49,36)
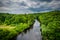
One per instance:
(28,6)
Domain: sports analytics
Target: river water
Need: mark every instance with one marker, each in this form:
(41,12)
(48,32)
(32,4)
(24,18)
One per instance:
(33,33)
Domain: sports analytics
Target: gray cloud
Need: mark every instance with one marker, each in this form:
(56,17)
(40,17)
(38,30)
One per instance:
(23,3)
(1,4)
(24,6)
(43,0)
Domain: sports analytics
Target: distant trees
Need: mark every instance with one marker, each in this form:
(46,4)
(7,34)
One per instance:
(9,19)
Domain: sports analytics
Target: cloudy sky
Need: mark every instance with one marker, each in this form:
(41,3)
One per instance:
(28,6)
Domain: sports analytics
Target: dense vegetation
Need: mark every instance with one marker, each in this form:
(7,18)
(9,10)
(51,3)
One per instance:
(50,24)
(13,24)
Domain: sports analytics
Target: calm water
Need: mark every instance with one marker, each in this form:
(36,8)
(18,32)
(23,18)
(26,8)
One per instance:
(31,34)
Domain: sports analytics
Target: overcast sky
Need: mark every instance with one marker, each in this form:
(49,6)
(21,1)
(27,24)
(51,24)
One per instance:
(27,6)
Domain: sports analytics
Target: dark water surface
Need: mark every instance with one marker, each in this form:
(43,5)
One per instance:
(31,34)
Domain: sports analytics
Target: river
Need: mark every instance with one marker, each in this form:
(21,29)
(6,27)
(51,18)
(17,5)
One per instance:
(33,33)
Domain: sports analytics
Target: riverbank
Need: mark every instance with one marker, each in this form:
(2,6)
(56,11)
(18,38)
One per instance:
(12,32)
(33,33)
(50,25)
(12,24)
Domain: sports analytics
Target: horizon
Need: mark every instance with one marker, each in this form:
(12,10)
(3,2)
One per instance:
(28,13)
(32,12)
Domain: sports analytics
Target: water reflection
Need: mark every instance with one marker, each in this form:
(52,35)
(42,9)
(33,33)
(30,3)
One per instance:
(32,34)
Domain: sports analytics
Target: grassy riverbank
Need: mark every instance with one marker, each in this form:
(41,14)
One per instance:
(50,25)
(13,24)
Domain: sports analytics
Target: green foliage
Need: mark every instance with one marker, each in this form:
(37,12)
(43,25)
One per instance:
(16,23)
(6,34)
(50,24)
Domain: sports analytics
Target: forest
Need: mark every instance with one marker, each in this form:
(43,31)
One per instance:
(13,24)
(50,25)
